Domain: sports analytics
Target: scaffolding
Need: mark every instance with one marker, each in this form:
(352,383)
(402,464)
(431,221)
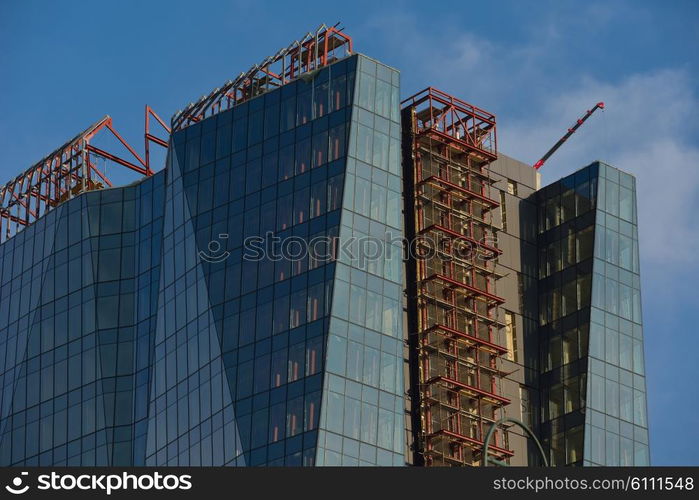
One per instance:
(71,169)
(311,52)
(452,305)
(68,171)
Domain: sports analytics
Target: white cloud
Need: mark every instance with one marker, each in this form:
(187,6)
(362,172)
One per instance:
(648,127)
(644,130)
(538,84)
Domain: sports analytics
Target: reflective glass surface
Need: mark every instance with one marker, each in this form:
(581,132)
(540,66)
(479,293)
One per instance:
(78,295)
(363,406)
(591,347)
(140,325)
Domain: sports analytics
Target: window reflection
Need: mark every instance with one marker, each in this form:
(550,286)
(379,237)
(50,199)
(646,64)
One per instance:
(233,171)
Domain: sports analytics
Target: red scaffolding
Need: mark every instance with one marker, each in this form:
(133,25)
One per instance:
(71,169)
(68,171)
(313,51)
(448,145)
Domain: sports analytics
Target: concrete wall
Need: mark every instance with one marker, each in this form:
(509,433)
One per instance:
(519,266)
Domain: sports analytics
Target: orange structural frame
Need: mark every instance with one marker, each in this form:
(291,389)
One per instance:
(68,171)
(71,169)
(313,51)
(453,312)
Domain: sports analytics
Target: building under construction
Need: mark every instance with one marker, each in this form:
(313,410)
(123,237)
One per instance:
(455,327)
(134,330)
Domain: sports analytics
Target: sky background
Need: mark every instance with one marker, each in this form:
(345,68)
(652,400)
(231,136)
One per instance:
(537,65)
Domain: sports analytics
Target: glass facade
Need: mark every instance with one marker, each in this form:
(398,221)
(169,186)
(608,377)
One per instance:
(363,403)
(616,431)
(244,306)
(78,295)
(591,347)
(141,326)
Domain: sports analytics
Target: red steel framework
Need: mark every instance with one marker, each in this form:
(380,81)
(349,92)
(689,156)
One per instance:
(448,145)
(68,171)
(313,51)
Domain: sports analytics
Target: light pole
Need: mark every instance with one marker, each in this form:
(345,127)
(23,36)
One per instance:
(489,436)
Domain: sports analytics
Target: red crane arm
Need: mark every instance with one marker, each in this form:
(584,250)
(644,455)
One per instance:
(571,131)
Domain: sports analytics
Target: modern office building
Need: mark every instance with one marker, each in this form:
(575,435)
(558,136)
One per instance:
(590,328)
(253,303)
(572,315)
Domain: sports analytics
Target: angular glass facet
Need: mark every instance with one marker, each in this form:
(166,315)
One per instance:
(596,292)
(207,315)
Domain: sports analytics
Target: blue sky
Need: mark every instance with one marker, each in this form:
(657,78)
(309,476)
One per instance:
(536,64)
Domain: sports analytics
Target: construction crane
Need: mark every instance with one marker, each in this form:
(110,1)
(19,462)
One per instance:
(571,131)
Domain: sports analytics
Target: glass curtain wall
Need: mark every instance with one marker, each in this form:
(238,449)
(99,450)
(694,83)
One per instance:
(363,406)
(78,293)
(591,349)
